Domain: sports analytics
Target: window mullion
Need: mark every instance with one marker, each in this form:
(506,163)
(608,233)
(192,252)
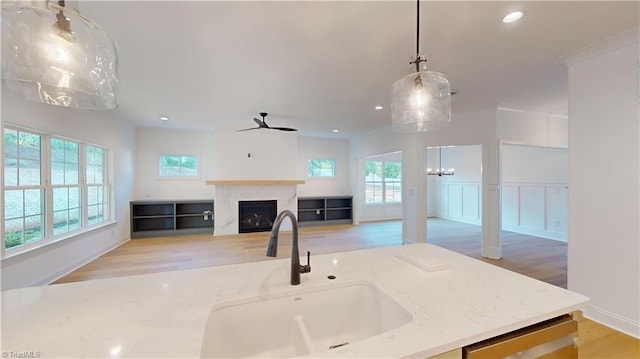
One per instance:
(82,180)
(384,188)
(47,188)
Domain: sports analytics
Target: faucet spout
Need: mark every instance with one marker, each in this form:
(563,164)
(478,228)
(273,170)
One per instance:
(272,247)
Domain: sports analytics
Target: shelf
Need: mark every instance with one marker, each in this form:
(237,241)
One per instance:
(195,208)
(170,218)
(192,222)
(310,216)
(341,214)
(153,209)
(159,216)
(339,202)
(152,224)
(310,203)
(325,210)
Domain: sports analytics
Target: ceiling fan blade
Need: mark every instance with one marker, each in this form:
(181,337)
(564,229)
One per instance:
(260,123)
(248,129)
(284,129)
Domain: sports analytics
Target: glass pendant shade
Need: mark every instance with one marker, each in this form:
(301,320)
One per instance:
(54,55)
(421,102)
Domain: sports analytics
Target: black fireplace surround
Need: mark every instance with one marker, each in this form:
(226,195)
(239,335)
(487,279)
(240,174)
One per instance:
(256,216)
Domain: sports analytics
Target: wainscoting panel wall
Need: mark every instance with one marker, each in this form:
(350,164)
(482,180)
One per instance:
(538,209)
(458,201)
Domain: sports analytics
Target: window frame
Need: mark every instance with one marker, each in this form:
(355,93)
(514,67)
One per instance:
(47,190)
(333,168)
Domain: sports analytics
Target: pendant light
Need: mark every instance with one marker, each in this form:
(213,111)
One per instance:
(420,101)
(54,55)
(440,171)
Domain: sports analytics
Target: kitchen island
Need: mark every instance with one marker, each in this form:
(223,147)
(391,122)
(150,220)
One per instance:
(453,301)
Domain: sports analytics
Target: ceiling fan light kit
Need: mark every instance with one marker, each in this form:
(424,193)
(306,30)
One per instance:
(54,55)
(263,124)
(420,101)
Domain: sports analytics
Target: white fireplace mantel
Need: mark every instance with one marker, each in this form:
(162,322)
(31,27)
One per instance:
(253,182)
(229,192)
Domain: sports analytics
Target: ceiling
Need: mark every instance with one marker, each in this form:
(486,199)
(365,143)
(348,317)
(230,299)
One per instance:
(320,66)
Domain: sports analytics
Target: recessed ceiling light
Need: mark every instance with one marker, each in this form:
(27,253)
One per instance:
(335,131)
(379,107)
(164,118)
(514,16)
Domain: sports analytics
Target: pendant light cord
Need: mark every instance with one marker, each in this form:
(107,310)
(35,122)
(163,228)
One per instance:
(418,29)
(418,58)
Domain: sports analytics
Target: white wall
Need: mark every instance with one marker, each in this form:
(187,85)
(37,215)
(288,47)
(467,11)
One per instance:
(604,208)
(153,142)
(324,148)
(535,190)
(532,128)
(255,155)
(456,197)
(43,265)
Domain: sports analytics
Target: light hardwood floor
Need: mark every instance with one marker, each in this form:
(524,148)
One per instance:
(539,258)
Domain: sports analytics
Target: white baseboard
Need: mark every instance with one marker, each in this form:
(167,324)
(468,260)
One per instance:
(467,220)
(77,264)
(558,236)
(613,321)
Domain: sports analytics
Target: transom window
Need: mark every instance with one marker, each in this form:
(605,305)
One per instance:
(321,168)
(383,182)
(52,186)
(178,166)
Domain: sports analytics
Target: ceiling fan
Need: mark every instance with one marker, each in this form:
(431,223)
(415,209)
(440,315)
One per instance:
(263,124)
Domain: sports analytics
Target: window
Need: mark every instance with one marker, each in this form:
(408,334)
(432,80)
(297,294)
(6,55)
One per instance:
(178,166)
(52,186)
(321,168)
(65,183)
(97,190)
(383,182)
(23,191)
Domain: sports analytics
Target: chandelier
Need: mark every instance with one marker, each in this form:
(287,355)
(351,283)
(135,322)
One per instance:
(440,171)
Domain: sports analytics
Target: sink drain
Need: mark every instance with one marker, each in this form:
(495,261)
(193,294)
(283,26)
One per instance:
(338,345)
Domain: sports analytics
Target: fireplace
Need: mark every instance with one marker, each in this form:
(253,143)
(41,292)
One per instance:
(256,216)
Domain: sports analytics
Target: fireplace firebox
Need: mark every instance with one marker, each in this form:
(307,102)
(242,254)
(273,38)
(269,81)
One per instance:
(256,216)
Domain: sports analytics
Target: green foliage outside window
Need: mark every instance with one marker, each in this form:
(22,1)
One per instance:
(383,182)
(321,168)
(178,166)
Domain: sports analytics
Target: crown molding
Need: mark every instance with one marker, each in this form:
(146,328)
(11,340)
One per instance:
(623,39)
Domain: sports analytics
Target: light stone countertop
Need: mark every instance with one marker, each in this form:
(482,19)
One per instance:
(454,300)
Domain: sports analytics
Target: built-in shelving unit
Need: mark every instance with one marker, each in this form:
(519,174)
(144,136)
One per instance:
(171,218)
(325,210)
